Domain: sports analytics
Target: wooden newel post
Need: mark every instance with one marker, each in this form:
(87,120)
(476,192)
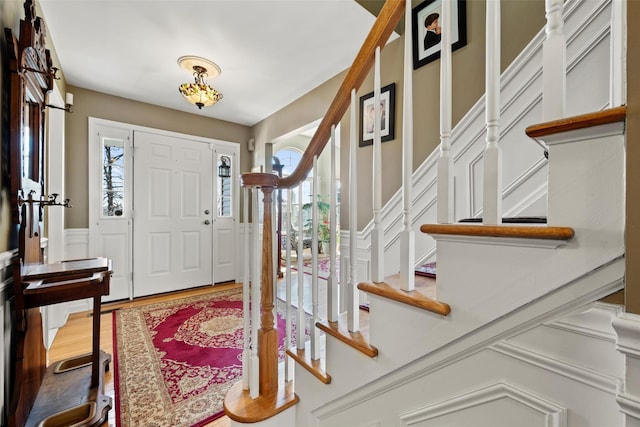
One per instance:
(267,334)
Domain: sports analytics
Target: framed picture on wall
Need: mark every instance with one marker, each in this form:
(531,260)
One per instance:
(387,115)
(426,29)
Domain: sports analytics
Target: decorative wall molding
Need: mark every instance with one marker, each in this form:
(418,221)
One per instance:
(564,368)
(594,322)
(501,241)
(627,327)
(554,415)
(76,243)
(629,405)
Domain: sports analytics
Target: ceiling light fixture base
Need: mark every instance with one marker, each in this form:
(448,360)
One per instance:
(190,62)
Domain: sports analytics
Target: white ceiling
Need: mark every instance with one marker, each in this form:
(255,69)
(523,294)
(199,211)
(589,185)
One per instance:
(271,51)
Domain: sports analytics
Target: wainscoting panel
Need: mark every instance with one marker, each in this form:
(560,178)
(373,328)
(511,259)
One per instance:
(76,243)
(483,407)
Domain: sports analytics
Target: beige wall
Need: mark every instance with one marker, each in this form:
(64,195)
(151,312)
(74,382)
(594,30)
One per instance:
(521,20)
(88,103)
(300,113)
(300,143)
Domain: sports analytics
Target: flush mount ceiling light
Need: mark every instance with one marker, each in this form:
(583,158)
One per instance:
(199,93)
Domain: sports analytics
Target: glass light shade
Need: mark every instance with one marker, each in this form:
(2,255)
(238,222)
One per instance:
(200,94)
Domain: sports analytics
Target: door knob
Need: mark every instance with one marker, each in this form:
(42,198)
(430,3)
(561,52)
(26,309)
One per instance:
(207,222)
(206,211)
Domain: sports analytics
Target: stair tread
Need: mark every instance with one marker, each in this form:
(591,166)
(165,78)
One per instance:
(358,340)
(316,367)
(567,124)
(423,296)
(541,232)
(240,407)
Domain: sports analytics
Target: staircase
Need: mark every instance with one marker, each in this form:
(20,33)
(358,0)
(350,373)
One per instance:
(513,330)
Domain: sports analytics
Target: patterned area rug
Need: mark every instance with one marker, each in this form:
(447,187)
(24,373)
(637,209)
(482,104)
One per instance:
(323,267)
(427,270)
(175,360)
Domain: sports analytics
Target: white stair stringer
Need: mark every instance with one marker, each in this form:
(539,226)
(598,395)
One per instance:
(552,362)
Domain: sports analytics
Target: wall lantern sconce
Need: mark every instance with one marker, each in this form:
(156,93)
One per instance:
(68,103)
(224,170)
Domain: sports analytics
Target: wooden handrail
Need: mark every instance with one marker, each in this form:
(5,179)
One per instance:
(385,24)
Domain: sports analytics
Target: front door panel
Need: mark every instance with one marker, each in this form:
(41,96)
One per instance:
(173,205)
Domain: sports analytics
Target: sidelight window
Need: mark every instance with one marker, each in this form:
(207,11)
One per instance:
(113,177)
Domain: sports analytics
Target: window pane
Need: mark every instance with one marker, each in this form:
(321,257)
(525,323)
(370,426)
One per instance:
(113,177)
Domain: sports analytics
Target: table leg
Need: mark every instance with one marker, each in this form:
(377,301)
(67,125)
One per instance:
(95,359)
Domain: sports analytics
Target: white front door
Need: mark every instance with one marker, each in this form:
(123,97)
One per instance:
(173,217)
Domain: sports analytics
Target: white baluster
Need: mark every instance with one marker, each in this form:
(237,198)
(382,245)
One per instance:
(407,237)
(301,324)
(554,63)
(377,234)
(332,282)
(246,292)
(353,314)
(445,162)
(315,332)
(492,196)
(254,385)
(289,365)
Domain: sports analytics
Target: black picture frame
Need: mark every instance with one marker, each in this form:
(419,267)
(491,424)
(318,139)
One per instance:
(422,56)
(388,122)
